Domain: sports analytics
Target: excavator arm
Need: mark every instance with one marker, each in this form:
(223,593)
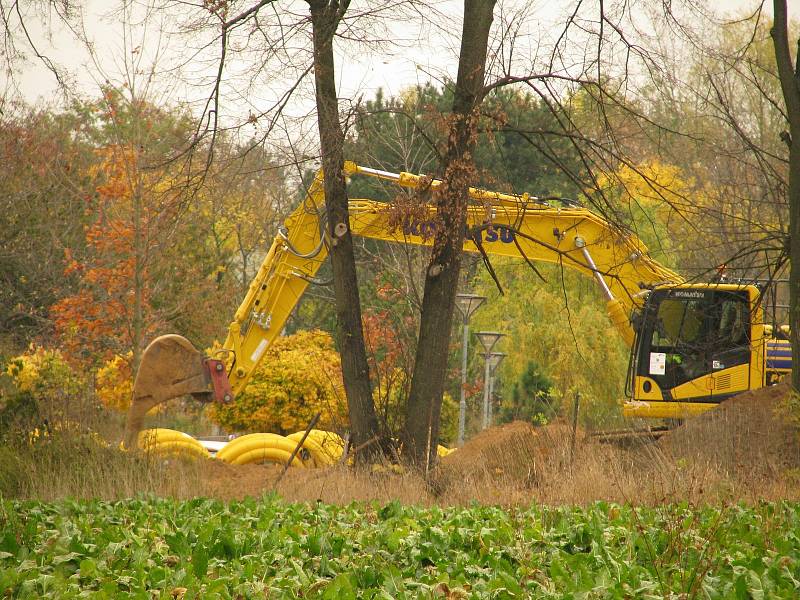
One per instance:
(497,224)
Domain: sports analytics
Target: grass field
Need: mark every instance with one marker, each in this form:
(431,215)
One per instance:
(163,548)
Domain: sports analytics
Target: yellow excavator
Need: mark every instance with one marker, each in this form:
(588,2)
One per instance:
(692,344)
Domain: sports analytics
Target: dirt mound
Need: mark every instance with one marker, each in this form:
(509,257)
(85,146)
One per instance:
(234,482)
(751,434)
(498,464)
(516,454)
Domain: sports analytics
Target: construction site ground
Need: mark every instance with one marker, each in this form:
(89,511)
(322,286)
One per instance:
(747,449)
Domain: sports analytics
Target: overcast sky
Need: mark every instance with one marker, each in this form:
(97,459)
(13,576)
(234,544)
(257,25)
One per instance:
(423,51)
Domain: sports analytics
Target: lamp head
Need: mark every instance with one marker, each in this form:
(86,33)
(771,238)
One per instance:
(468,304)
(488,339)
(495,358)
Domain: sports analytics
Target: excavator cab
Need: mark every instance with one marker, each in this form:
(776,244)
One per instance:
(694,347)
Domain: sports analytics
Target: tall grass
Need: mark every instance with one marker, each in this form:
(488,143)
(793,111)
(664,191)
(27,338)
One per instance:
(522,470)
(57,440)
(514,464)
(83,466)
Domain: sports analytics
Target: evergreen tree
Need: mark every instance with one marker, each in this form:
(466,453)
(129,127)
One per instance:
(531,399)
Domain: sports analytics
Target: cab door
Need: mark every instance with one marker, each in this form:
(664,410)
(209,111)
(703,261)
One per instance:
(672,352)
(730,344)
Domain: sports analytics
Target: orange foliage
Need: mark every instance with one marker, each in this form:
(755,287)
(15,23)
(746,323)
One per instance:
(389,363)
(388,337)
(97,322)
(380,336)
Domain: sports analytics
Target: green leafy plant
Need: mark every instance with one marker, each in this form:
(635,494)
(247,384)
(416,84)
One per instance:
(201,548)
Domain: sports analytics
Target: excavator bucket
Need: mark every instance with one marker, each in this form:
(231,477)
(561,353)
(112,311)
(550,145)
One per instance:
(171,367)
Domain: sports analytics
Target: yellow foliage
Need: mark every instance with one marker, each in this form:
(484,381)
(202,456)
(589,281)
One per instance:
(43,371)
(114,382)
(659,202)
(562,326)
(299,376)
(669,209)
(73,429)
(652,183)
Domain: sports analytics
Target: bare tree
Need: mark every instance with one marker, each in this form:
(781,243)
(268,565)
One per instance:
(325,18)
(19,20)
(790,84)
(441,282)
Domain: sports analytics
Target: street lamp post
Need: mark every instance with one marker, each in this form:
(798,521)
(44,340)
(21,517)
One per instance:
(495,358)
(488,339)
(466,304)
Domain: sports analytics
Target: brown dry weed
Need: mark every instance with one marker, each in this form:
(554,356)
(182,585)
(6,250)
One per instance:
(748,449)
(745,450)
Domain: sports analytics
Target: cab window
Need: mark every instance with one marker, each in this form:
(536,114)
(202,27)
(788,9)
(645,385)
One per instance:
(693,333)
(678,322)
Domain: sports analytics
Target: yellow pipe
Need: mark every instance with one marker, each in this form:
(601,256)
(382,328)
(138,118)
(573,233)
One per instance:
(265,453)
(179,447)
(254,441)
(318,453)
(152,437)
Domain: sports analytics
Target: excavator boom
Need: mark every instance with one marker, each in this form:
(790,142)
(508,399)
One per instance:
(502,224)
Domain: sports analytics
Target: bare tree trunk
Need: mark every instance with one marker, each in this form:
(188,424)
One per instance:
(138,329)
(325,17)
(790,85)
(421,433)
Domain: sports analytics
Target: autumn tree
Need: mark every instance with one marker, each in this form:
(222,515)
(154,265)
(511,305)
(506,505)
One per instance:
(544,318)
(99,320)
(299,376)
(720,100)
(244,197)
(133,210)
(45,163)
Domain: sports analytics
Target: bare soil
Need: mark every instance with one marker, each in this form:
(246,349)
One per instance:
(746,449)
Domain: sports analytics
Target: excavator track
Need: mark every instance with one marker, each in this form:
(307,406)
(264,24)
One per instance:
(629,437)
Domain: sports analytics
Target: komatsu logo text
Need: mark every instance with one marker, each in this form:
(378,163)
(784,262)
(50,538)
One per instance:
(688,294)
(490,234)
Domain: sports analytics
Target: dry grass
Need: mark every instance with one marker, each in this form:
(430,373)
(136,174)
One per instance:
(643,475)
(745,450)
(64,467)
(63,446)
